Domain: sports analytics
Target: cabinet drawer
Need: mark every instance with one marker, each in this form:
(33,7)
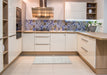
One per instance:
(42,40)
(42,34)
(42,47)
(85,42)
(87,48)
(84,51)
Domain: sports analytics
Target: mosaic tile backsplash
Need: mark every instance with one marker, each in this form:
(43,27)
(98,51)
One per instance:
(48,25)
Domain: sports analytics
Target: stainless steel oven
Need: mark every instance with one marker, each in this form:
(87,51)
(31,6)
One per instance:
(18,23)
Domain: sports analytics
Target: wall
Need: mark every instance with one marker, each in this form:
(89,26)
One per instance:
(48,25)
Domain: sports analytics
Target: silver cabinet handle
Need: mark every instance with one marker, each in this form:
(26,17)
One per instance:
(84,40)
(42,44)
(84,49)
(12,35)
(42,36)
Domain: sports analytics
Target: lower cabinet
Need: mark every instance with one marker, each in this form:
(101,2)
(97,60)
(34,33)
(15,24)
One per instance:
(49,42)
(1,56)
(19,45)
(71,42)
(12,48)
(42,42)
(28,42)
(87,49)
(58,42)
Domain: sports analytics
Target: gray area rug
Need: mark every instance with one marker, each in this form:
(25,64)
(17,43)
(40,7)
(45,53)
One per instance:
(52,60)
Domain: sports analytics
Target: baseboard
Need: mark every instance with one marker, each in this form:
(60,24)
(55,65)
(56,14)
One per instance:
(10,63)
(49,53)
(91,67)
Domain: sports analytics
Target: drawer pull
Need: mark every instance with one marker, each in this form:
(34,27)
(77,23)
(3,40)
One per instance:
(42,44)
(84,40)
(84,49)
(42,36)
(12,35)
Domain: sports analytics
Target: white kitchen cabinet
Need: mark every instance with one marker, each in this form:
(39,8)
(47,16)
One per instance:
(92,52)
(12,48)
(28,42)
(19,45)
(58,7)
(58,42)
(71,42)
(87,49)
(1,56)
(40,47)
(12,17)
(75,10)
(1,6)
(42,42)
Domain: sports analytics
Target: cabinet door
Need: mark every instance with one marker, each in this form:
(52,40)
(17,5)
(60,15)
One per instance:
(71,42)
(92,52)
(12,48)
(87,49)
(12,17)
(1,19)
(58,42)
(75,10)
(19,45)
(1,56)
(28,42)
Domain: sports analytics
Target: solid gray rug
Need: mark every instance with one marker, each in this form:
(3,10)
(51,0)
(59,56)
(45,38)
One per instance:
(52,60)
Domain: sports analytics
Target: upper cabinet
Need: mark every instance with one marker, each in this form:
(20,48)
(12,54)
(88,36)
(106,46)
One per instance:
(12,17)
(75,10)
(91,10)
(1,18)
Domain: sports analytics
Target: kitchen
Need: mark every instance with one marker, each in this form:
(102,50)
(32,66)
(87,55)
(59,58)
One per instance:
(54,37)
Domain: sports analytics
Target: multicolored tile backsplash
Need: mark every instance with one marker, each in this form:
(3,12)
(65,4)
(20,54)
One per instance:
(48,25)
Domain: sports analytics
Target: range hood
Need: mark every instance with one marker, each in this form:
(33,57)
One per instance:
(42,12)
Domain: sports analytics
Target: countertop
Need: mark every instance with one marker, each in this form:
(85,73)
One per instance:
(96,35)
